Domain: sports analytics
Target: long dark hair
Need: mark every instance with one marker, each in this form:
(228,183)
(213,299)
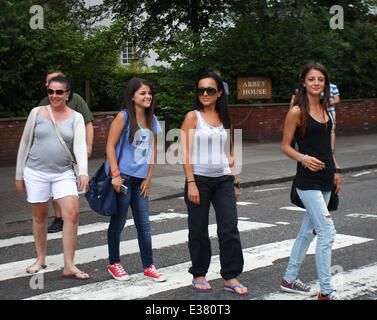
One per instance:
(301,98)
(132,86)
(221,104)
(62,79)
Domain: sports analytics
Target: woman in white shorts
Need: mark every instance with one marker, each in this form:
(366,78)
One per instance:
(45,169)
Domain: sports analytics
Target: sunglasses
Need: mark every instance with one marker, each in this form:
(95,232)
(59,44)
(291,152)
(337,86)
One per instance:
(210,91)
(58,92)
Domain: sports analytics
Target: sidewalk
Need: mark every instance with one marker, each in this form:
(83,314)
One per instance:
(261,164)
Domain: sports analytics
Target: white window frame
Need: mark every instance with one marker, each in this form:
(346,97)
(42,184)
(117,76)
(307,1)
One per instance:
(127,54)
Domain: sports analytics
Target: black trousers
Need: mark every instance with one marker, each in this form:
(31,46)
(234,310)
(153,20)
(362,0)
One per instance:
(220,192)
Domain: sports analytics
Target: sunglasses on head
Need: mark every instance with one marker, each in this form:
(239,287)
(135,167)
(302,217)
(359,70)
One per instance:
(210,91)
(58,92)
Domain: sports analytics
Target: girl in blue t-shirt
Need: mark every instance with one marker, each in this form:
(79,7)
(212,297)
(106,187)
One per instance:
(131,175)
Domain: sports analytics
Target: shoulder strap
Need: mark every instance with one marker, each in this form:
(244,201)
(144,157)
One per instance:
(199,117)
(59,136)
(126,124)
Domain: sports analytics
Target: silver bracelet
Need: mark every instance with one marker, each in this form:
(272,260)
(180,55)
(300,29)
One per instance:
(302,160)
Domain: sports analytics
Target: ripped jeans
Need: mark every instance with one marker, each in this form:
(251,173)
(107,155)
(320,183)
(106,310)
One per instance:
(317,217)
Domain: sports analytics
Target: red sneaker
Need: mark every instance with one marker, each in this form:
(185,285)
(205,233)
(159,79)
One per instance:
(154,274)
(117,271)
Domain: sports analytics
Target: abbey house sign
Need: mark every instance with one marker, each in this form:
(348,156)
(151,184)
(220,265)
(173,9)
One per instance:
(254,88)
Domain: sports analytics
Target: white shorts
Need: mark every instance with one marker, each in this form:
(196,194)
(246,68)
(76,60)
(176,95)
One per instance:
(41,185)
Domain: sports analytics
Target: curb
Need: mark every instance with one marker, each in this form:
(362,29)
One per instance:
(254,183)
(245,184)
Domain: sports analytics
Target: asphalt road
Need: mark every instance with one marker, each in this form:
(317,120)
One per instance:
(268,225)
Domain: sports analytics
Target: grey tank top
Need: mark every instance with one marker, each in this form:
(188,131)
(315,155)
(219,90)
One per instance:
(46,152)
(208,150)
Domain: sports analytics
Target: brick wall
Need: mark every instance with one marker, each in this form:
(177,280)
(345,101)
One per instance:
(101,126)
(10,136)
(259,122)
(11,131)
(263,122)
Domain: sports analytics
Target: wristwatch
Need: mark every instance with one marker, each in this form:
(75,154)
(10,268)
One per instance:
(237,185)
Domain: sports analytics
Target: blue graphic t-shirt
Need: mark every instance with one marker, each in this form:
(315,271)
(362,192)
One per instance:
(137,156)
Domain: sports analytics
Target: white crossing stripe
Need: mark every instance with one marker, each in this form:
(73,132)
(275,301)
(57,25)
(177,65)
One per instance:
(348,284)
(85,229)
(271,189)
(292,208)
(361,174)
(139,287)
(362,215)
(17,269)
(245,203)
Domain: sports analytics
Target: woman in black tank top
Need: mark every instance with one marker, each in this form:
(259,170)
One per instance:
(317,173)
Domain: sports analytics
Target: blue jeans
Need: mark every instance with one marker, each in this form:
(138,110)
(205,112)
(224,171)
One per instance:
(317,217)
(140,212)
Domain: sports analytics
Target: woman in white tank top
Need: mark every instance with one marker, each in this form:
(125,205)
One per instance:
(208,162)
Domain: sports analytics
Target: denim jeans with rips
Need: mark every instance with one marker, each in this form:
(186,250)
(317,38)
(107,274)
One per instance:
(317,217)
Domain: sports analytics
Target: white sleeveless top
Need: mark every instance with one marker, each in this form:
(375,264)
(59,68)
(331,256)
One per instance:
(208,150)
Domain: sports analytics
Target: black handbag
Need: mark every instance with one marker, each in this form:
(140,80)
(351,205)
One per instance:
(334,201)
(101,195)
(295,198)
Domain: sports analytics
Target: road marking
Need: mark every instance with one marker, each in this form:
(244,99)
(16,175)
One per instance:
(362,215)
(271,189)
(245,203)
(361,174)
(88,228)
(292,208)
(348,284)
(139,287)
(55,262)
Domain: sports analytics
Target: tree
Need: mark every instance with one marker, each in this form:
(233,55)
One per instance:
(149,21)
(26,55)
(74,12)
(292,33)
(273,41)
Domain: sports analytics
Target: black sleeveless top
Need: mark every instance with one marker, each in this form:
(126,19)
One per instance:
(316,143)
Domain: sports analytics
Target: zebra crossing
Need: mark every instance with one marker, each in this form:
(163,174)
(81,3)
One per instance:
(255,257)
(354,282)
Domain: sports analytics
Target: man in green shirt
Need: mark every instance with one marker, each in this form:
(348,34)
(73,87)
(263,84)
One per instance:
(77,103)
